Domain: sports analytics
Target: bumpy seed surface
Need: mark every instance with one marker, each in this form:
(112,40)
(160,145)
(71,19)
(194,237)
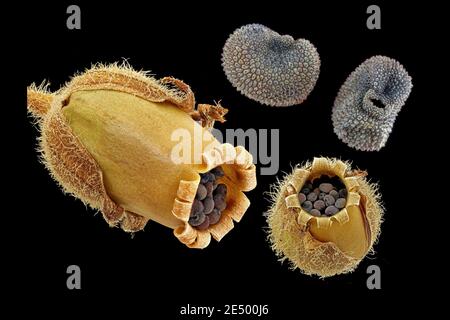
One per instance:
(334,194)
(307,205)
(197,206)
(312,197)
(326,187)
(210,200)
(214,216)
(197,219)
(329,211)
(329,200)
(301,197)
(368,102)
(322,195)
(270,68)
(219,202)
(221,189)
(306,191)
(315,212)
(201,192)
(205,224)
(340,203)
(209,187)
(207,177)
(208,205)
(218,172)
(319,205)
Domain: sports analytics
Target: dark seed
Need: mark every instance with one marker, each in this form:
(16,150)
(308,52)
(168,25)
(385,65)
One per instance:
(312,197)
(309,186)
(197,207)
(319,204)
(343,193)
(326,187)
(340,203)
(209,188)
(197,219)
(329,200)
(307,205)
(218,172)
(306,191)
(221,189)
(316,191)
(211,177)
(215,184)
(315,212)
(219,202)
(335,194)
(214,217)
(201,192)
(204,225)
(322,195)
(205,177)
(301,197)
(208,204)
(329,211)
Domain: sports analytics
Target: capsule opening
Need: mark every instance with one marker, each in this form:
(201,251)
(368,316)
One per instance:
(210,200)
(323,196)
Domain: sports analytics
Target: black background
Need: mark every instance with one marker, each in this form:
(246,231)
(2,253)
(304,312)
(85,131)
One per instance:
(153,272)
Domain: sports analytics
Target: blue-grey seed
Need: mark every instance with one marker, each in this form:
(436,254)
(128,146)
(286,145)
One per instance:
(334,193)
(326,187)
(201,192)
(208,204)
(331,210)
(343,193)
(340,203)
(301,197)
(205,224)
(319,205)
(312,197)
(305,191)
(329,200)
(197,219)
(214,216)
(219,202)
(307,205)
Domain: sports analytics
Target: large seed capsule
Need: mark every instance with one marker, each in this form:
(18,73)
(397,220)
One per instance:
(107,139)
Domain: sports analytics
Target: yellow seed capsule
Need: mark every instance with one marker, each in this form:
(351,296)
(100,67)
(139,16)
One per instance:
(325,245)
(107,137)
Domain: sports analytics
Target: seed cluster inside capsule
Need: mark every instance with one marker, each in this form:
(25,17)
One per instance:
(209,201)
(323,197)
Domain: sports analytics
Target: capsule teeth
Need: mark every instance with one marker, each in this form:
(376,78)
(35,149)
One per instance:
(270,68)
(368,102)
